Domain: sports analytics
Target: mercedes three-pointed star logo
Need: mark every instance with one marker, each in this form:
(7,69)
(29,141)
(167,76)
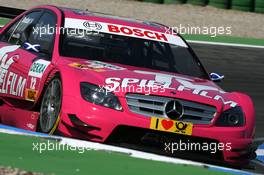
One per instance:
(174,109)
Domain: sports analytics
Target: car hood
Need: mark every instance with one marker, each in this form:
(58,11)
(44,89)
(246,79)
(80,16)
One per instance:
(122,79)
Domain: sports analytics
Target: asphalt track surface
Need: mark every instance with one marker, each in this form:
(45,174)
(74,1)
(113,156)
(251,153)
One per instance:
(244,72)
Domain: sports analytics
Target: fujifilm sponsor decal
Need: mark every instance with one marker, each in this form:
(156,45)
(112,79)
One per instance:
(10,82)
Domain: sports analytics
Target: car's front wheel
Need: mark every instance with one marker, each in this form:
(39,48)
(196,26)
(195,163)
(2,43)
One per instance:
(51,107)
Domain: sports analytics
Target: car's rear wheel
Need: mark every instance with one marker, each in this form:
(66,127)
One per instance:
(50,107)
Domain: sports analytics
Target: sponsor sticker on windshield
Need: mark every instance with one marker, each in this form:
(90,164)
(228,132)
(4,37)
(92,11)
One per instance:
(124,31)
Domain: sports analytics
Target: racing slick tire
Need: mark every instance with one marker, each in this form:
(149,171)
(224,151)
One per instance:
(50,108)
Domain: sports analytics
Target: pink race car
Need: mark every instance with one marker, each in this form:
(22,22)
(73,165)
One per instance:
(119,81)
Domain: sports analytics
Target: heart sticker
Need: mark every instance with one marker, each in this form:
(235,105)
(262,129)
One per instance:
(167,124)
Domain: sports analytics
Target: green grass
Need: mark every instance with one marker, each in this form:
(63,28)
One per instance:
(3,21)
(16,151)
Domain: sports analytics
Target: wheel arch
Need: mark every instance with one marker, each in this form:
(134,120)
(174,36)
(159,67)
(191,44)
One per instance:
(54,73)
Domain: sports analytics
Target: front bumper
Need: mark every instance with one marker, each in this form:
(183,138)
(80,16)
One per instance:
(103,125)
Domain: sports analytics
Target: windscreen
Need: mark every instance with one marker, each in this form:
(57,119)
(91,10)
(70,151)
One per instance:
(130,51)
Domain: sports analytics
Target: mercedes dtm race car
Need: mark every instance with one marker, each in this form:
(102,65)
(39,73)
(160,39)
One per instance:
(115,80)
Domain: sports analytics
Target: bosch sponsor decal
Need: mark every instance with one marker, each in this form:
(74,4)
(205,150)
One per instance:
(125,31)
(90,25)
(165,81)
(38,68)
(10,82)
(97,66)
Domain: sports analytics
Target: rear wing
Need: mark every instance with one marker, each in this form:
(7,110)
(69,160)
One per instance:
(8,12)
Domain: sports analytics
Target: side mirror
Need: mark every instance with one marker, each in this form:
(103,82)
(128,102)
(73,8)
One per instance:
(216,77)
